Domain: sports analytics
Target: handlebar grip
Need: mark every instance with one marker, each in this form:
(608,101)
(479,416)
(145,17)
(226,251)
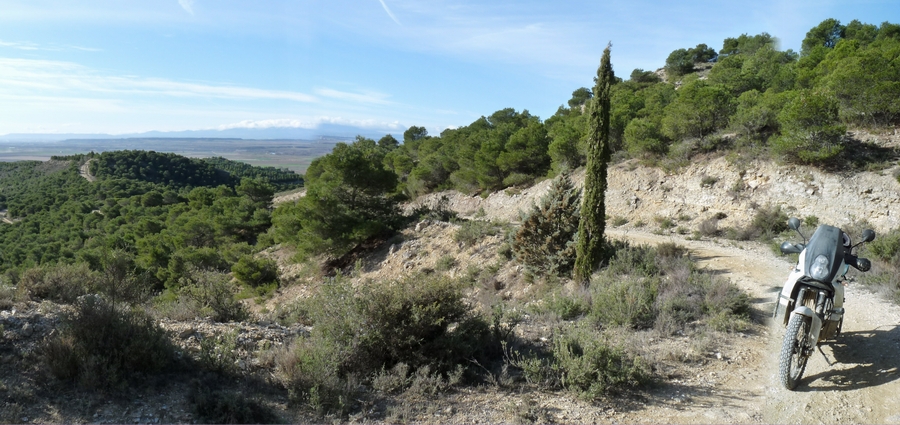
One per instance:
(861,264)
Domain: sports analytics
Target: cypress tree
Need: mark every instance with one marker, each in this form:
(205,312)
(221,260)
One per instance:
(589,251)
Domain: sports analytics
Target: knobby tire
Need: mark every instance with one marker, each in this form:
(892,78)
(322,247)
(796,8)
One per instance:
(792,361)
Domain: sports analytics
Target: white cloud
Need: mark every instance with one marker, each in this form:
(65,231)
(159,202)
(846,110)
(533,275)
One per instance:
(388,10)
(52,48)
(67,77)
(19,46)
(313,123)
(187,5)
(273,123)
(367,97)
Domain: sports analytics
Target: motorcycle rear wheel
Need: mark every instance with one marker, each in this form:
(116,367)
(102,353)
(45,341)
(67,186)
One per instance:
(794,351)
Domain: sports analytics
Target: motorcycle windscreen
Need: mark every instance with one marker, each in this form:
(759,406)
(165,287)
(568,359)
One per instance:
(826,241)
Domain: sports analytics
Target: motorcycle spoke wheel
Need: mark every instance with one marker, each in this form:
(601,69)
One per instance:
(794,351)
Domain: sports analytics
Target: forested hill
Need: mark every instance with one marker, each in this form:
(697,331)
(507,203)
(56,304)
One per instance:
(161,213)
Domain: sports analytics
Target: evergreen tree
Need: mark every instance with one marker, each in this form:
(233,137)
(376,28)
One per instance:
(589,250)
(545,243)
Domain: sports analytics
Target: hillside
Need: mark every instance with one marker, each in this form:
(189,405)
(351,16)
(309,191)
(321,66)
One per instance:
(417,281)
(724,377)
(715,186)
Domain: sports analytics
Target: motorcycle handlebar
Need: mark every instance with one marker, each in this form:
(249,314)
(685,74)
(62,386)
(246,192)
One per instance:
(861,264)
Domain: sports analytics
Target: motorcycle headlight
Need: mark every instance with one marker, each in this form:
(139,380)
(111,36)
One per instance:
(819,270)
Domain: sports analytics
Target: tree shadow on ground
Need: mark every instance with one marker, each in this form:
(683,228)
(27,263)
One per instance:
(862,156)
(861,359)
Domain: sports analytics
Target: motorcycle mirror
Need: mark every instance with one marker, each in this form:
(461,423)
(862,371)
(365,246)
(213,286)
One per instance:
(794,223)
(789,248)
(868,235)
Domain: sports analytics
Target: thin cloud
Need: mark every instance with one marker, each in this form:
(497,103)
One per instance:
(187,5)
(19,46)
(371,97)
(51,48)
(273,123)
(311,123)
(28,75)
(391,14)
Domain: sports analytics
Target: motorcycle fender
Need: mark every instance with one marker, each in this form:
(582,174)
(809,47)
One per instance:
(816,326)
(785,297)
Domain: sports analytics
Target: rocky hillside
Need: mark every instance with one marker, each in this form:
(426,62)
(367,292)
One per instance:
(706,189)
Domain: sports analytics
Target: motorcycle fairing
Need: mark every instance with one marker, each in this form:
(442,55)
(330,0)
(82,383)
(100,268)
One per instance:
(826,241)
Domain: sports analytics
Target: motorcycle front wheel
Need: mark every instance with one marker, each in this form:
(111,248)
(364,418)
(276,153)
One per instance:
(794,351)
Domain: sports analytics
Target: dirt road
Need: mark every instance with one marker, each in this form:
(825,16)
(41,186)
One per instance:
(85,171)
(855,381)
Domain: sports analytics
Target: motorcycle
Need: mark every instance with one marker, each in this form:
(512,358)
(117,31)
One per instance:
(812,300)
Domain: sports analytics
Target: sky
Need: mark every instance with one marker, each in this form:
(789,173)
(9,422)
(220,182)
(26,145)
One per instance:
(129,66)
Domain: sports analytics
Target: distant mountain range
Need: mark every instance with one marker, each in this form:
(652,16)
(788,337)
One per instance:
(331,131)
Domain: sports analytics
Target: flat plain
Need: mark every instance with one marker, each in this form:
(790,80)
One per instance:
(294,155)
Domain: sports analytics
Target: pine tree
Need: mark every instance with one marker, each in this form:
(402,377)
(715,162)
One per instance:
(589,251)
(545,243)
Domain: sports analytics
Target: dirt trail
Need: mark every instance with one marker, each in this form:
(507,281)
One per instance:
(85,171)
(860,385)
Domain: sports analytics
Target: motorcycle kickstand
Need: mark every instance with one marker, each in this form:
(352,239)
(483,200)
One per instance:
(825,356)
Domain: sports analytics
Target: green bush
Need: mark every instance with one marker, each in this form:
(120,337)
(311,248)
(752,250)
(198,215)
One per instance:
(885,247)
(811,131)
(471,232)
(358,331)
(620,301)
(253,271)
(100,345)
(61,283)
(214,293)
(767,223)
(583,362)
(568,307)
(660,288)
(445,263)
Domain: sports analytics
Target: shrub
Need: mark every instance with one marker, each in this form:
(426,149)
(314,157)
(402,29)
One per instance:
(421,321)
(545,243)
(100,345)
(624,301)
(811,130)
(581,361)
(709,227)
(664,222)
(8,296)
(255,271)
(659,287)
(885,247)
(567,307)
(218,351)
(60,283)
(708,181)
(214,293)
(767,223)
(225,407)
(440,211)
(445,263)
(473,231)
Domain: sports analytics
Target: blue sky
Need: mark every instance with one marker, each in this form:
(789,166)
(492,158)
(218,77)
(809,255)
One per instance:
(124,66)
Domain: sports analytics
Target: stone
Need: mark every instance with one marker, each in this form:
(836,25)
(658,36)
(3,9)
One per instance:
(27,330)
